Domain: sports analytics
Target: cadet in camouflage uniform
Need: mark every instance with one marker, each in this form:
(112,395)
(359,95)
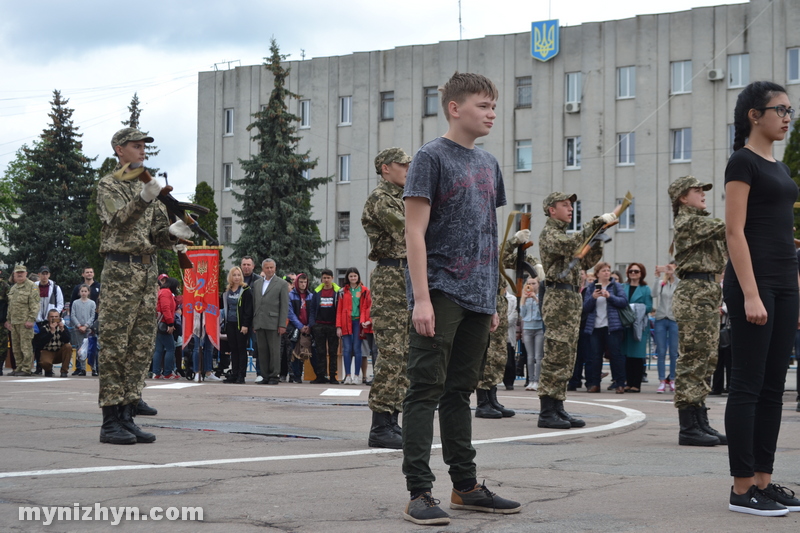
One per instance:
(384,221)
(134,226)
(561,307)
(4,288)
(23,306)
(700,254)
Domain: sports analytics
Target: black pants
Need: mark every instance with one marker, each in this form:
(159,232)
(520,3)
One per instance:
(722,374)
(327,344)
(238,345)
(633,372)
(759,359)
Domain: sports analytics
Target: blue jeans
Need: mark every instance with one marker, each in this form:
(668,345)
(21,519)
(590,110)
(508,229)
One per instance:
(666,332)
(208,353)
(164,356)
(602,339)
(351,345)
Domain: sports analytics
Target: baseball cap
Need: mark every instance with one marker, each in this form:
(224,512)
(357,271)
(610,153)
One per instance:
(678,187)
(129,134)
(389,156)
(162,276)
(44,269)
(19,267)
(557,196)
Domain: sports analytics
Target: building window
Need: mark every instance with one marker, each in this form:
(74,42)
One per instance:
(626,82)
(626,150)
(731,135)
(681,145)
(227,230)
(345,110)
(793,65)
(681,77)
(228,125)
(522,208)
(738,70)
(227,176)
(305,113)
(306,172)
(341,277)
(431,101)
(574,88)
(524,92)
(387,105)
(572,157)
(524,152)
(342,225)
(627,221)
(344,168)
(575,223)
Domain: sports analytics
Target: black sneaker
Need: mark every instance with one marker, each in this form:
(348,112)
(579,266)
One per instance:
(755,502)
(425,510)
(783,496)
(482,499)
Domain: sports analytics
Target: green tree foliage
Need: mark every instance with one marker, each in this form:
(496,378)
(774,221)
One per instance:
(792,159)
(133,122)
(88,244)
(52,189)
(275,217)
(204,195)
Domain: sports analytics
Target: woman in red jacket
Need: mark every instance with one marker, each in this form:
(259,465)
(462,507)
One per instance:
(164,356)
(351,315)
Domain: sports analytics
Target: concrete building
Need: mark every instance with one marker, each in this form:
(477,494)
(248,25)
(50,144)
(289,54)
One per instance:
(626,105)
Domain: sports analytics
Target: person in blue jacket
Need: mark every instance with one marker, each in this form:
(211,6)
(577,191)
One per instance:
(302,315)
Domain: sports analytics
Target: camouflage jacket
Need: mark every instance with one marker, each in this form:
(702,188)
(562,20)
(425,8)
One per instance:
(508,260)
(130,225)
(557,249)
(384,221)
(23,302)
(699,242)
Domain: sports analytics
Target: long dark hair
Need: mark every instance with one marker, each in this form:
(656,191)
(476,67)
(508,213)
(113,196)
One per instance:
(347,275)
(755,96)
(172,284)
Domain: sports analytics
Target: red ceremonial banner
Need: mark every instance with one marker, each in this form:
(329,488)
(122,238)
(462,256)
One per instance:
(201,293)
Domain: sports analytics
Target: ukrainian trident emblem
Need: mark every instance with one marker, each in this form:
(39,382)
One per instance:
(544,39)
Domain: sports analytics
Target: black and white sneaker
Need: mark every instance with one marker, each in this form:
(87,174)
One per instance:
(783,496)
(756,502)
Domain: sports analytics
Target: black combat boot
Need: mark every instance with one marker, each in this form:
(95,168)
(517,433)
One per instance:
(485,408)
(549,417)
(507,413)
(112,431)
(126,414)
(381,434)
(395,426)
(702,421)
(573,422)
(143,409)
(691,434)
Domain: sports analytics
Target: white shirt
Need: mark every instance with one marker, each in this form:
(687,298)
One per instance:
(265,285)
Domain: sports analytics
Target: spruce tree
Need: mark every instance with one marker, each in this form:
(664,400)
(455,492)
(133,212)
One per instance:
(52,193)
(204,195)
(151,150)
(792,159)
(275,214)
(88,244)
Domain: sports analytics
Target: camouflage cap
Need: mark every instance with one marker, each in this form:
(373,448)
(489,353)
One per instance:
(557,196)
(19,267)
(129,134)
(389,156)
(678,187)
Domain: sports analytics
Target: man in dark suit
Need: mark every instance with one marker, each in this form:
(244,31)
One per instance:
(270,312)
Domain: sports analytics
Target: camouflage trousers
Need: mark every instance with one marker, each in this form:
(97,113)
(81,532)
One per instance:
(695,305)
(127,312)
(561,311)
(22,340)
(390,322)
(497,355)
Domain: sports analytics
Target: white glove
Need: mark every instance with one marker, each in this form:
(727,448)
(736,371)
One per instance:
(181,230)
(150,191)
(539,272)
(608,218)
(180,248)
(522,236)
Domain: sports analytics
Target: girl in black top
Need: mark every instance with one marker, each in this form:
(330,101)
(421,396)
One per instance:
(761,292)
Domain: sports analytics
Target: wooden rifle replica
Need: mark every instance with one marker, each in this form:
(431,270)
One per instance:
(521,266)
(176,211)
(598,235)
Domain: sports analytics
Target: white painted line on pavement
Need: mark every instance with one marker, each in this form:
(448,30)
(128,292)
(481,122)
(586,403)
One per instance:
(174,386)
(632,416)
(34,380)
(341,392)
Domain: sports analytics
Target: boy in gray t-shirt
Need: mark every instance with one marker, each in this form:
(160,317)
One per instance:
(451,195)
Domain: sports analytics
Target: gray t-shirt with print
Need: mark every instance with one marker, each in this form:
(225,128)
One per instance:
(464,188)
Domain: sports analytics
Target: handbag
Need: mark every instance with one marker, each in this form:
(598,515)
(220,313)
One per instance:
(627,316)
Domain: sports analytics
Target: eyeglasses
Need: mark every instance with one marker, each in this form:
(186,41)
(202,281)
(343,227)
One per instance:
(634,271)
(781,110)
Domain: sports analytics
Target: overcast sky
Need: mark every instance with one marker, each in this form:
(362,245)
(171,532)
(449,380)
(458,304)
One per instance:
(99,53)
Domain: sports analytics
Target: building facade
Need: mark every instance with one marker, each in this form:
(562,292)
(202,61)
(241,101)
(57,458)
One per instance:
(627,104)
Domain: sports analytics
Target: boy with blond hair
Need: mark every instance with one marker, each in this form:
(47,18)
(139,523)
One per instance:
(451,194)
